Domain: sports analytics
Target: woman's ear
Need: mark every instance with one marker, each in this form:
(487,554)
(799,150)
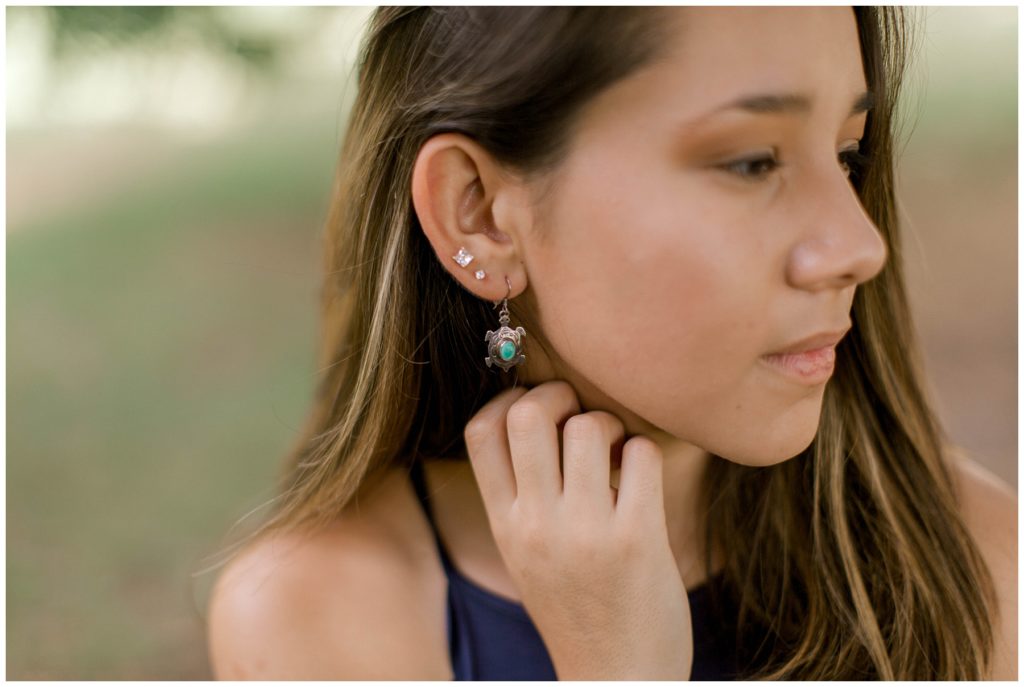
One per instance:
(464,200)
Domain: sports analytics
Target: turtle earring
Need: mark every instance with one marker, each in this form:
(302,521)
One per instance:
(505,346)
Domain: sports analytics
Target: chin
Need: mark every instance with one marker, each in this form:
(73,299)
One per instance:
(769,445)
(762,459)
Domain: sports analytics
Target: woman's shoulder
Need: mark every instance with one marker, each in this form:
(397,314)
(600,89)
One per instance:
(988,504)
(358,600)
(989,508)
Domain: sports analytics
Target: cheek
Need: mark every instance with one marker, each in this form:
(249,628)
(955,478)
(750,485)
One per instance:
(656,309)
(667,315)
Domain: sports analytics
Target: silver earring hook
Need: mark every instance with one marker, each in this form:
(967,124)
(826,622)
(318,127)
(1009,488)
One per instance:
(505,346)
(506,293)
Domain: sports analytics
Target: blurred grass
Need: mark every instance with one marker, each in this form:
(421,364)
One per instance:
(160,355)
(161,340)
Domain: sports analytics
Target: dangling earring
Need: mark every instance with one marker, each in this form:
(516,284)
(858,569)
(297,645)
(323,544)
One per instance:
(505,346)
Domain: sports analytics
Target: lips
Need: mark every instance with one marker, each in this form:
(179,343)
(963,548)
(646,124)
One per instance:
(813,343)
(812,367)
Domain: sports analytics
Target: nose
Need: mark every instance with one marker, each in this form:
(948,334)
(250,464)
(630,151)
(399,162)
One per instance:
(841,245)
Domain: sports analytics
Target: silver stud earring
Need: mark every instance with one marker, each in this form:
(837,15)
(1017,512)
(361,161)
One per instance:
(505,346)
(462,257)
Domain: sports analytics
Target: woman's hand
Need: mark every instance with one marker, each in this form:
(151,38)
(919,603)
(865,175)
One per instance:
(593,564)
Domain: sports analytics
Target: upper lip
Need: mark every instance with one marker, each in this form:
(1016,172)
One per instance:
(813,343)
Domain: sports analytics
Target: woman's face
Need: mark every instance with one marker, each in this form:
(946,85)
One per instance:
(664,267)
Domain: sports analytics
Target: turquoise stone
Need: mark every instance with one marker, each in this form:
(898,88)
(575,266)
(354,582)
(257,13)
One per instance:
(507,350)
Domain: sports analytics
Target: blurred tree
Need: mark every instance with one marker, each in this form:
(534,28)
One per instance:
(81,28)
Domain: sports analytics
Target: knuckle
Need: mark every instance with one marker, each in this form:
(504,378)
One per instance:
(642,447)
(589,545)
(586,536)
(628,540)
(524,416)
(564,389)
(533,535)
(486,420)
(476,431)
(612,425)
(595,423)
(581,426)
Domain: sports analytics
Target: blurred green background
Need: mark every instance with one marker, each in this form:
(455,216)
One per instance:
(168,172)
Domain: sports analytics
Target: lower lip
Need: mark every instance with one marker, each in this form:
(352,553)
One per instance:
(809,367)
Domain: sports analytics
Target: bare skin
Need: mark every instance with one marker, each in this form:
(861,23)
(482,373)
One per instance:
(262,626)
(662,278)
(663,267)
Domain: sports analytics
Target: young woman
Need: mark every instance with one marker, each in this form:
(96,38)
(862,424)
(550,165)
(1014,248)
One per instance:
(620,380)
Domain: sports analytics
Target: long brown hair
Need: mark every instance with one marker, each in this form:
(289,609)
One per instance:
(848,561)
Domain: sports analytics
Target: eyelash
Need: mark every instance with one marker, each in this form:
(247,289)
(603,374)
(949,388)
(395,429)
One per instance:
(856,161)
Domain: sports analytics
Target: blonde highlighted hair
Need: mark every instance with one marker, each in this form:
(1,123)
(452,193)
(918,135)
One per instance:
(849,561)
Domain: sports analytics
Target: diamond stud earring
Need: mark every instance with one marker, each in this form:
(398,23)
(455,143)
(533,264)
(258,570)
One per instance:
(462,257)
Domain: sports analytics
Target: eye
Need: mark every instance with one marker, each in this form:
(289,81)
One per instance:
(761,166)
(753,169)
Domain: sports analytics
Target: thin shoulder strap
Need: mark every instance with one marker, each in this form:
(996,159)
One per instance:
(419,483)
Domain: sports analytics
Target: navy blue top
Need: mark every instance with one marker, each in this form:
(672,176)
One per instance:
(491,637)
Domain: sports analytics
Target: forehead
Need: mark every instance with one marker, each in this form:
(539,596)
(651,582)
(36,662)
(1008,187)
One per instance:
(715,54)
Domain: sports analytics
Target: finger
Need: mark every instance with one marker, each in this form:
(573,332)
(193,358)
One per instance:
(533,423)
(487,445)
(586,455)
(640,496)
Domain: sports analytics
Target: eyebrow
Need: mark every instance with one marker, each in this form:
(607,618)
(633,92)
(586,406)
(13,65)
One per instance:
(786,103)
